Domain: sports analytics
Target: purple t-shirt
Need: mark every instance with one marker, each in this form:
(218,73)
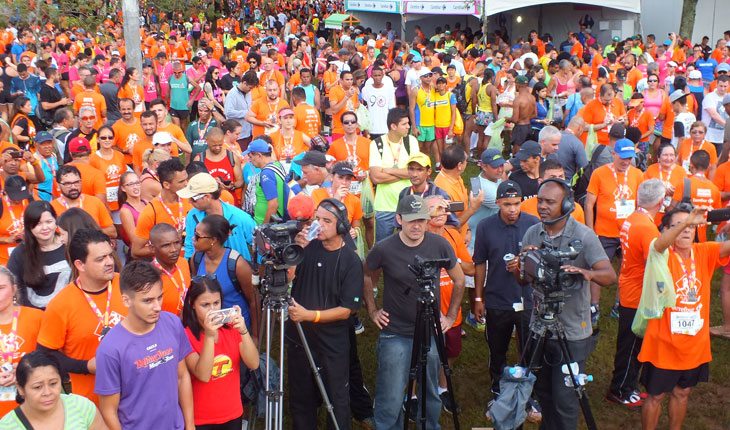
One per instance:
(143,369)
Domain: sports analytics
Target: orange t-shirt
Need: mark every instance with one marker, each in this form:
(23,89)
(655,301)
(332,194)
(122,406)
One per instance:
(604,184)
(175,286)
(308,120)
(359,158)
(687,148)
(576,50)
(529,207)
(176,132)
(703,193)
(140,147)
(136,94)
(93,99)
(11,223)
(112,170)
(595,113)
(91,205)
(125,136)
(677,351)
(722,177)
(93,181)
(157,212)
(446,285)
(644,122)
(351,202)
(266,111)
(673,179)
(286,149)
(329,78)
(29,324)
(337,94)
(454,187)
(637,233)
(272,75)
(633,77)
(72,327)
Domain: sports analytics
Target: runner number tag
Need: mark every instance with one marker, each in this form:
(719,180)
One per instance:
(688,322)
(624,208)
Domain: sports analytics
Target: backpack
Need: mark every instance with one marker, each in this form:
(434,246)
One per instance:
(580,187)
(253,387)
(459,91)
(233,257)
(379,143)
(42,116)
(200,156)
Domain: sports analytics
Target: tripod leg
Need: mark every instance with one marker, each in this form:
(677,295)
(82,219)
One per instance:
(580,390)
(280,392)
(424,326)
(441,349)
(414,367)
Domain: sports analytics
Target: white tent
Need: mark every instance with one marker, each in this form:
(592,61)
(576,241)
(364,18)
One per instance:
(498,6)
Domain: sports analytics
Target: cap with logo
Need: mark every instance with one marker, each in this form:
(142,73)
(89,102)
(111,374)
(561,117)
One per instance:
(419,158)
(624,148)
(313,158)
(343,168)
(412,207)
(508,189)
(529,148)
(43,136)
(79,145)
(492,157)
(695,74)
(201,183)
(522,80)
(16,188)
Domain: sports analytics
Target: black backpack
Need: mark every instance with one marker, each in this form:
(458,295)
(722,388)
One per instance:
(459,91)
(580,188)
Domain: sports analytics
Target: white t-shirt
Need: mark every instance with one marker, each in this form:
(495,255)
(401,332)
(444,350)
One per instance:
(687,119)
(379,101)
(714,129)
(413,79)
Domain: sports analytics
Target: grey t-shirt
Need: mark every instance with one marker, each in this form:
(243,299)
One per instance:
(400,290)
(572,154)
(576,314)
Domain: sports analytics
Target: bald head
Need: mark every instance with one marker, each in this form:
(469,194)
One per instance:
(161,231)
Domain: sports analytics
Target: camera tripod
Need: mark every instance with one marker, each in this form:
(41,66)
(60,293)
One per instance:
(427,325)
(547,323)
(275,305)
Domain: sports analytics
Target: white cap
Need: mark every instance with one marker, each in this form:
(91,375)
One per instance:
(162,138)
(695,74)
(201,53)
(676,95)
(371,42)
(672,64)
(115,52)
(424,71)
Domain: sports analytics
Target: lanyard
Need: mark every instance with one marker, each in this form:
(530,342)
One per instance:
(103,318)
(692,149)
(49,164)
(65,204)
(180,220)
(690,276)
(669,174)
(16,221)
(621,187)
(201,133)
(9,347)
(395,155)
(351,155)
(181,288)
(288,152)
(645,212)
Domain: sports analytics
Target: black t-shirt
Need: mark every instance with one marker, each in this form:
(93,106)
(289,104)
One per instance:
(56,268)
(400,290)
(328,279)
(49,94)
(526,183)
(227,82)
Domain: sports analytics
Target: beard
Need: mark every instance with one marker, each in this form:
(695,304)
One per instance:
(73,194)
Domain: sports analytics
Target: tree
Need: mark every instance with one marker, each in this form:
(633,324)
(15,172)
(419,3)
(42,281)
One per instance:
(687,22)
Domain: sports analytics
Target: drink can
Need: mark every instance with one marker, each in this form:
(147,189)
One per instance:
(508,257)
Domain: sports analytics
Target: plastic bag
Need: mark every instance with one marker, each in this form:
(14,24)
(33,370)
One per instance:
(495,131)
(458,124)
(657,292)
(363,117)
(591,142)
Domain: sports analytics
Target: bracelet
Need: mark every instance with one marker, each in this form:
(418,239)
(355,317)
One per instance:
(317,315)
(477,299)
(244,333)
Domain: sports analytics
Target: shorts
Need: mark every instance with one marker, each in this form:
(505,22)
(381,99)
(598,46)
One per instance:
(612,246)
(400,101)
(428,133)
(452,341)
(442,132)
(659,381)
(6,98)
(180,114)
(520,134)
(483,119)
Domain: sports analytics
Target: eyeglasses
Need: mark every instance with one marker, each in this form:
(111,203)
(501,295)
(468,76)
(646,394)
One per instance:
(349,122)
(70,184)
(652,81)
(197,197)
(87,118)
(200,278)
(132,184)
(105,138)
(697,131)
(196,236)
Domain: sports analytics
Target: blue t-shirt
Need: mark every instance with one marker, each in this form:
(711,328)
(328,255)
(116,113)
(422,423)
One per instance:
(142,369)
(240,238)
(231,295)
(707,68)
(45,188)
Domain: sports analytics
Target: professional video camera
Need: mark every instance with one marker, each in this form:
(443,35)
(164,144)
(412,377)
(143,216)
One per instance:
(426,269)
(543,268)
(275,242)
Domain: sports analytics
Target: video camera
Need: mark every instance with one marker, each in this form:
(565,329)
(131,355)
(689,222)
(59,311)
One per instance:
(275,242)
(713,217)
(428,270)
(543,268)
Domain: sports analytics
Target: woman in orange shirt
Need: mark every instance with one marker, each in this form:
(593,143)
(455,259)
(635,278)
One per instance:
(130,89)
(694,143)
(288,142)
(15,198)
(676,347)
(111,164)
(667,171)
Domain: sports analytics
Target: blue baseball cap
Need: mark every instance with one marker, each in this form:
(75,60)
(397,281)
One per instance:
(43,136)
(259,146)
(624,148)
(492,157)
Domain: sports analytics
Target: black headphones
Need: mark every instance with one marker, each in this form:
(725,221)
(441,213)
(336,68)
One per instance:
(338,209)
(568,204)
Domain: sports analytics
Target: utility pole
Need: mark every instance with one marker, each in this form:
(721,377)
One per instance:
(132,38)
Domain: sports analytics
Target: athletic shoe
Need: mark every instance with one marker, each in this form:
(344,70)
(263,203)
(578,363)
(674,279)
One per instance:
(359,328)
(642,394)
(633,400)
(614,311)
(368,423)
(486,411)
(474,323)
(413,413)
(446,402)
(463,333)
(534,411)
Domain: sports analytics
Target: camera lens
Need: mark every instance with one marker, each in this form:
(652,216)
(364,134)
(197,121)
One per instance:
(292,254)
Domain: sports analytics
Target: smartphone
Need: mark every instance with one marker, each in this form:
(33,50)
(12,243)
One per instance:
(456,207)
(226,182)
(224,316)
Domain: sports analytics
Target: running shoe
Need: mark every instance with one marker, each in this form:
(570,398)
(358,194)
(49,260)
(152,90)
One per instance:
(631,401)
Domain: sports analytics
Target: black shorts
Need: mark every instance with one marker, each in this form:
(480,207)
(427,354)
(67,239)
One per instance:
(180,114)
(659,381)
(520,134)
(401,101)
(612,246)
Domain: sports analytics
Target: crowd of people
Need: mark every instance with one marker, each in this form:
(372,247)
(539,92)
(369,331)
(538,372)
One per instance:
(131,200)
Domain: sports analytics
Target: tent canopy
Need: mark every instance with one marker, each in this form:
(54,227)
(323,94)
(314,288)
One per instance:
(498,6)
(337,20)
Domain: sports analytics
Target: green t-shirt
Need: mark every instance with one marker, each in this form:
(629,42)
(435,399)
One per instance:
(394,155)
(193,135)
(179,95)
(79,412)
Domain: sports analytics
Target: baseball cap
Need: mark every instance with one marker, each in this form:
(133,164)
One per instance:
(343,168)
(202,183)
(680,69)
(529,148)
(115,52)
(162,138)
(508,189)
(43,136)
(624,148)
(617,131)
(16,188)
(314,158)
(492,157)
(695,74)
(285,111)
(300,207)
(7,146)
(412,207)
(636,99)
(726,99)
(672,64)
(417,58)
(319,143)
(722,67)
(522,80)
(676,95)
(437,70)
(201,53)
(79,145)
(258,146)
(419,158)
(424,72)
(667,42)
(616,38)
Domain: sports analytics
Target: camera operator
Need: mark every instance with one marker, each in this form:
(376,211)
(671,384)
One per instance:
(397,319)
(554,200)
(326,290)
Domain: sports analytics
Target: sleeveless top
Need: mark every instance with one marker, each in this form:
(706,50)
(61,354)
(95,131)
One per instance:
(309,92)
(135,217)
(653,104)
(222,169)
(400,85)
(231,295)
(484,101)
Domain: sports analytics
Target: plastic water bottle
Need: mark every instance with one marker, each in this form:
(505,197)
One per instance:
(573,366)
(581,378)
(517,371)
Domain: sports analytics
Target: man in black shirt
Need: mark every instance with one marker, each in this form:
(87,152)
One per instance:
(526,177)
(230,80)
(397,318)
(50,99)
(327,289)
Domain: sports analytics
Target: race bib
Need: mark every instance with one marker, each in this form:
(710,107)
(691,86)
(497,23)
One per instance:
(112,194)
(665,205)
(685,165)
(624,208)
(688,323)
(7,394)
(355,187)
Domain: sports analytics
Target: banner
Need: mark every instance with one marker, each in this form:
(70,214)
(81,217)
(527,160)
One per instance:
(383,6)
(466,7)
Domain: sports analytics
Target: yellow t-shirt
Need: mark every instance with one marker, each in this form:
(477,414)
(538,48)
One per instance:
(424,102)
(442,108)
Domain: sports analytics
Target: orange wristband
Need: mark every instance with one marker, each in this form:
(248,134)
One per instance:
(316,316)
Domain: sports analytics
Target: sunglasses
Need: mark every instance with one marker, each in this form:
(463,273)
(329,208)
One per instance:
(349,122)
(87,118)
(196,236)
(106,137)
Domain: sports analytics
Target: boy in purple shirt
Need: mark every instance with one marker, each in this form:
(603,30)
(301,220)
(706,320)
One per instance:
(141,377)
